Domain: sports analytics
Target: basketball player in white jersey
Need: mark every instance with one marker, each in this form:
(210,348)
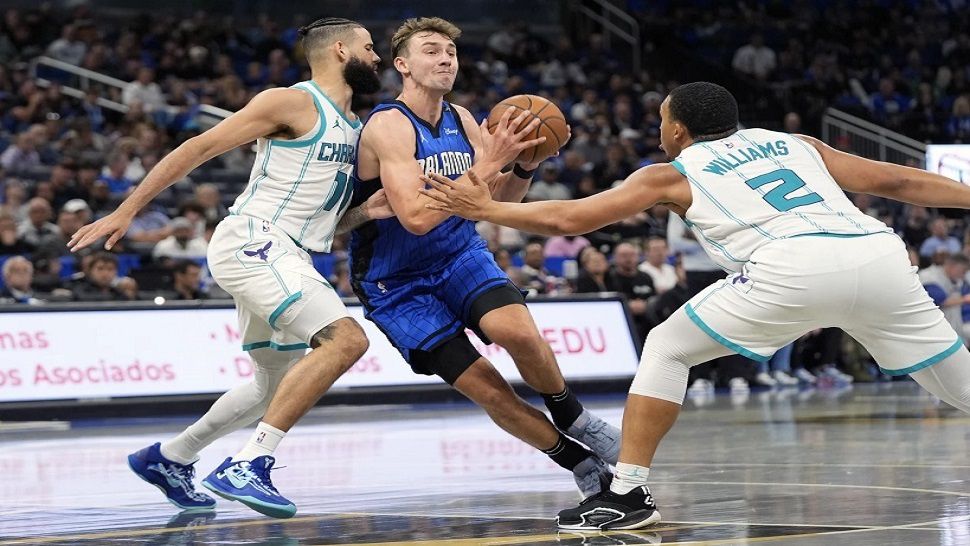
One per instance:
(300,186)
(769,208)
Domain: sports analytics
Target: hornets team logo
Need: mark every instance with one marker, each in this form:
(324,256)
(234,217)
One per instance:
(261,253)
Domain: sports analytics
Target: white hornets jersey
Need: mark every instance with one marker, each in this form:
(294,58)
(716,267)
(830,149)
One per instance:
(758,186)
(303,186)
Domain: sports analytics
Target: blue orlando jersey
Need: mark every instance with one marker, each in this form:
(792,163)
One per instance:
(383,249)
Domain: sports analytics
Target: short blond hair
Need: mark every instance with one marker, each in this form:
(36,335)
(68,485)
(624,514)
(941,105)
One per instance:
(437,25)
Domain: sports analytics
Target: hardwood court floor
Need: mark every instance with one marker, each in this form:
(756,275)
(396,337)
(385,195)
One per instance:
(873,465)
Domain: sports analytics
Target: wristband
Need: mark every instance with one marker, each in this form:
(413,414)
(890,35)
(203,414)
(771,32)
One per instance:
(519,172)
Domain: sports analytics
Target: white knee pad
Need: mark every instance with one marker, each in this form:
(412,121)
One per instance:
(660,375)
(271,367)
(668,353)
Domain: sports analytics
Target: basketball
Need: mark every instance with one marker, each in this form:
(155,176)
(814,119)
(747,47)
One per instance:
(553,125)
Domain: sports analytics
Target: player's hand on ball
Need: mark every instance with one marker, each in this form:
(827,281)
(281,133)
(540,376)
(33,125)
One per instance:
(505,144)
(112,226)
(531,166)
(378,207)
(465,200)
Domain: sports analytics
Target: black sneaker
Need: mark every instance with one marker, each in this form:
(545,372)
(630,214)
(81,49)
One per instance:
(607,510)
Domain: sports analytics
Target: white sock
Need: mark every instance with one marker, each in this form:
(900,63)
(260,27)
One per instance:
(179,457)
(628,477)
(263,442)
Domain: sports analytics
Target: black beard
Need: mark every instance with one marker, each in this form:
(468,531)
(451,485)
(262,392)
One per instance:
(361,77)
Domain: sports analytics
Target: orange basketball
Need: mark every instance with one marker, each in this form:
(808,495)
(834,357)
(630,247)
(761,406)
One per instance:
(553,125)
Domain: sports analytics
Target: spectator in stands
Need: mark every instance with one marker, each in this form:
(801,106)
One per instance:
(755,59)
(208,196)
(592,271)
(194,212)
(118,183)
(21,156)
(915,229)
(663,275)
(565,246)
(68,47)
(958,125)
(100,281)
(63,183)
(144,91)
(14,199)
(81,140)
(948,287)
(624,277)
(18,273)
(148,228)
(10,243)
(939,241)
(548,186)
(534,271)
(186,281)
(574,167)
(182,243)
(792,123)
(37,230)
(887,105)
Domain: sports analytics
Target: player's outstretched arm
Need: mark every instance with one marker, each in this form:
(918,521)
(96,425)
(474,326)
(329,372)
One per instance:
(641,190)
(916,186)
(269,112)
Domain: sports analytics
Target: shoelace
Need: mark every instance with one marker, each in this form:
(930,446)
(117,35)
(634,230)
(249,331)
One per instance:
(186,476)
(262,475)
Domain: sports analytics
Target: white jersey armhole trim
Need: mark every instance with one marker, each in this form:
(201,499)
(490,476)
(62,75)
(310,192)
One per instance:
(315,134)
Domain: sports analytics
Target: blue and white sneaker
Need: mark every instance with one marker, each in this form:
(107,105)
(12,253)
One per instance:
(601,437)
(172,478)
(249,483)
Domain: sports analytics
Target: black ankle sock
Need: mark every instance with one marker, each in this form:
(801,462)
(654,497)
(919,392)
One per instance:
(567,453)
(564,407)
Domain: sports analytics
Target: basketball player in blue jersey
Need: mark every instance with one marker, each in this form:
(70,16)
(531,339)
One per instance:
(770,208)
(298,192)
(424,276)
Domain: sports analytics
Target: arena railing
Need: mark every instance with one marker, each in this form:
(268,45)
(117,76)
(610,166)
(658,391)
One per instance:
(870,140)
(75,82)
(626,28)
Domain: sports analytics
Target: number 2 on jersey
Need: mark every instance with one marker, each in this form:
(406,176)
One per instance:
(778,197)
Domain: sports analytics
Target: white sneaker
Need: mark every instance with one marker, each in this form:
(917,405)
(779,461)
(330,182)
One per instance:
(764,378)
(783,378)
(738,384)
(701,385)
(838,375)
(805,376)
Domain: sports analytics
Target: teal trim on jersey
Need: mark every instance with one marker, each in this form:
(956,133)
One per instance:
(926,363)
(275,346)
(320,132)
(721,339)
(679,166)
(283,307)
(714,243)
(353,123)
(269,150)
(299,180)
